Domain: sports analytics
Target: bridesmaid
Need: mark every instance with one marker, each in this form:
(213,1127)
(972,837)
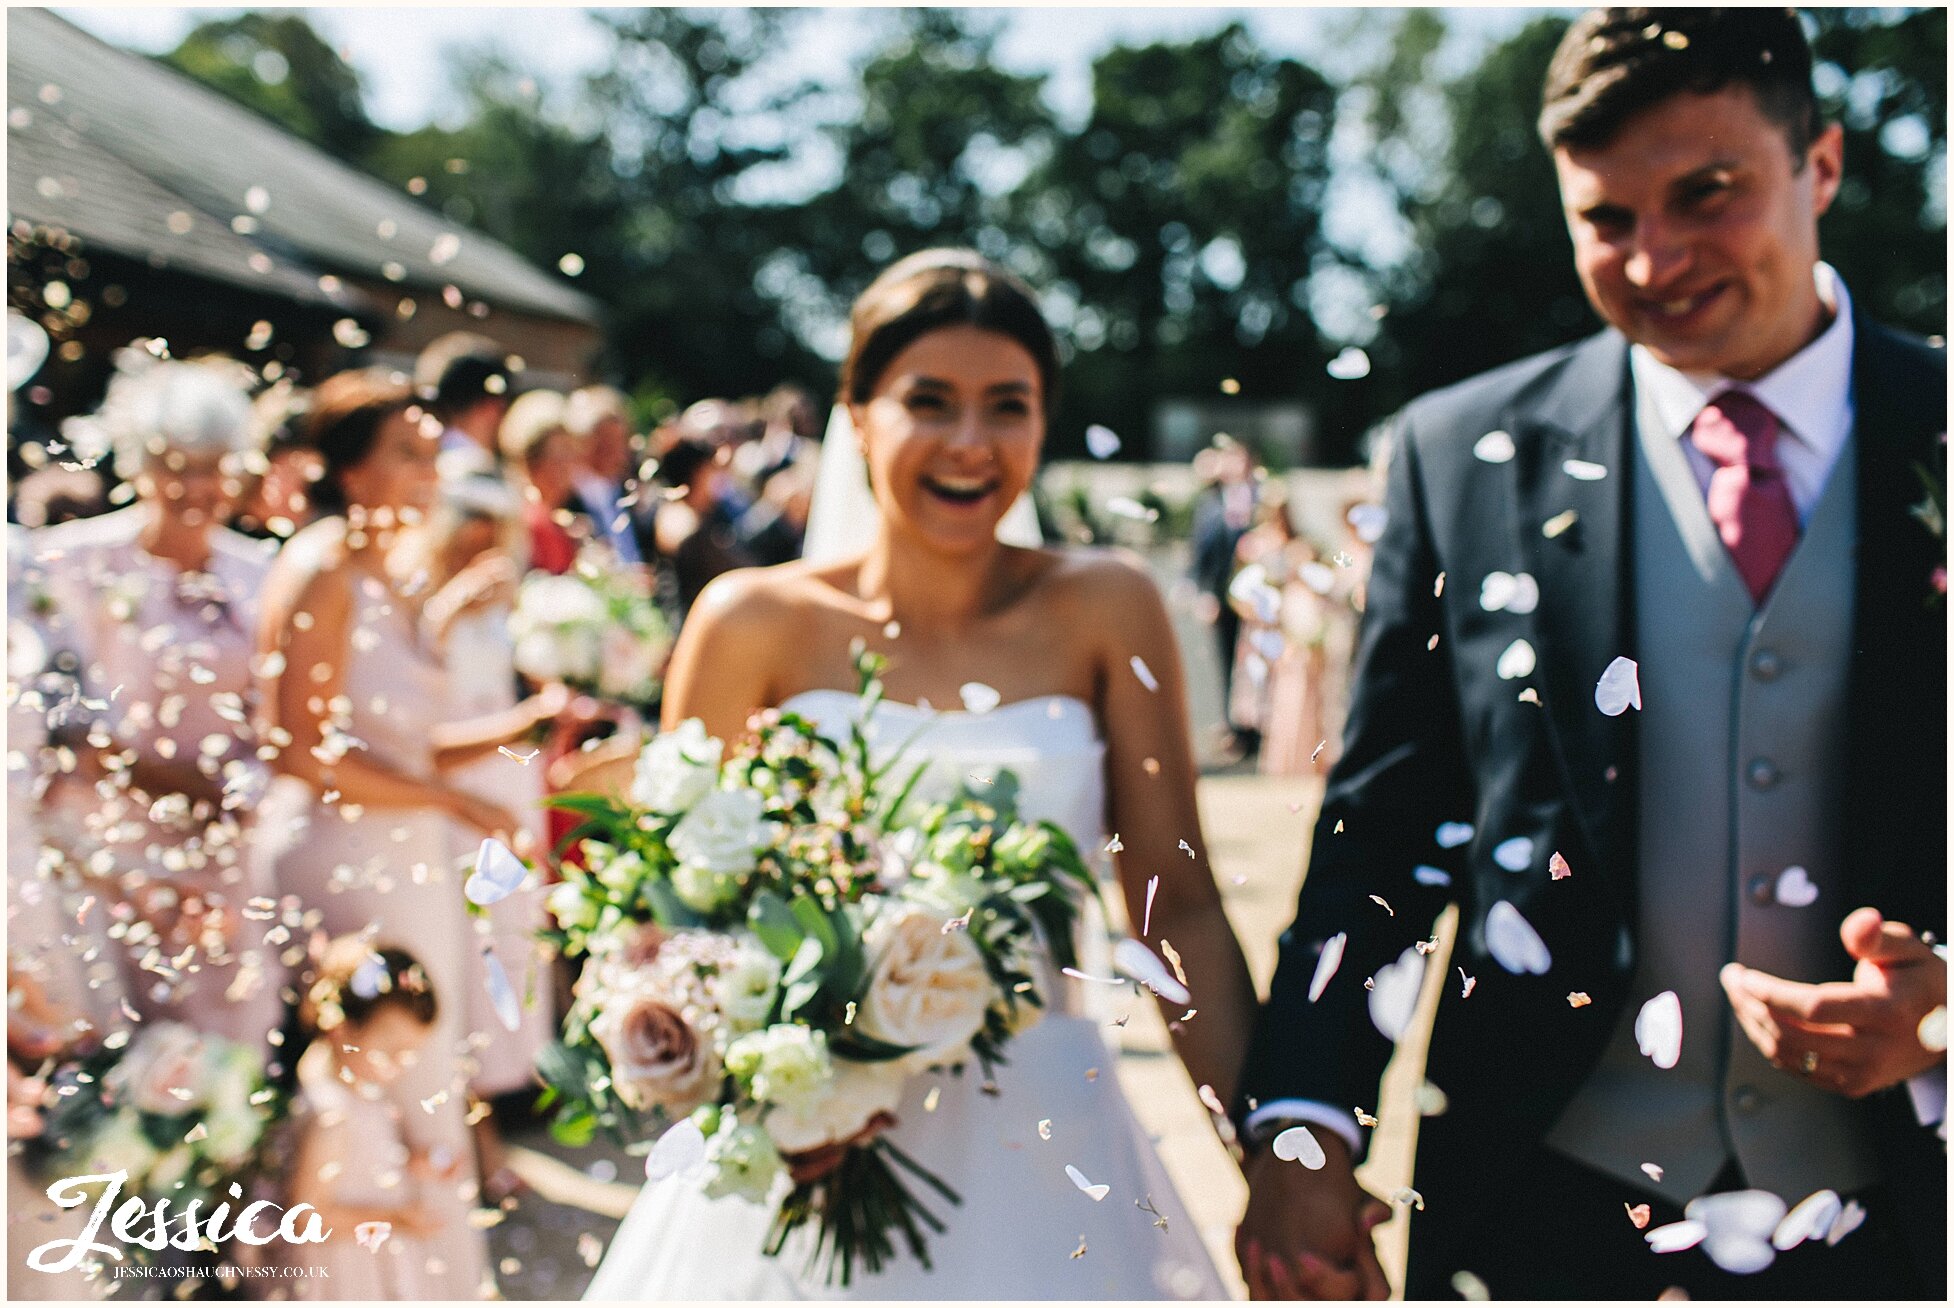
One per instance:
(356,699)
(153,608)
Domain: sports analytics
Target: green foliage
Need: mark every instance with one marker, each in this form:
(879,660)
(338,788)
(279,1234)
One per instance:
(276,64)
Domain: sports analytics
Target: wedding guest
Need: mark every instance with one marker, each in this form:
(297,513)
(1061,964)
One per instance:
(536,440)
(697,530)
(153,606)
(606,487)
(358,822)
(1223,512)
(369,1015)
(467,382)
(1652,687)
(53,495)
(275,502)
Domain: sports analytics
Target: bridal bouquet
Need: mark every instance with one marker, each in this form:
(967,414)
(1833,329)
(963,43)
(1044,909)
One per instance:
(775,943)
(179,1111)
(596,628)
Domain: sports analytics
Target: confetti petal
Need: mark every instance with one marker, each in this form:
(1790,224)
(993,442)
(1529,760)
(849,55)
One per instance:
(1517,661)
(1466,984)
(1494,447)
(1394,996)
(498,874)
(1114,846)
(1526,594)
(1851,1217)
(1582,470)
(1515,855)
(1933,1030)
(1513,942)
(1351,364)
(1146,919)
(1795,888)
(1045,1128)
(1453,834)
(679,1150)
(1144,673)
(978,698)
(1558,525)
(1102,442)
(1097,1192)
(1368,521)
(1675,1237)
(1639,1214)
(1297,1145)
(508,1009)
(1382,903)
(1495,591)
(1470,1287)
(1619,689)
(1738,1226)
(1654,1171)
(1327,963)
(1557,868)
(1810,1220)
(1427,875)
(371,1235)
(1138,962)
(1659,1029)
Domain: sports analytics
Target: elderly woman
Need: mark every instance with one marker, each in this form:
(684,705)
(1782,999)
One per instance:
(536,439)
(152,609)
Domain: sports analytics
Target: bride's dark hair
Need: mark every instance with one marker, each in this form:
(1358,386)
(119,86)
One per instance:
(943,288)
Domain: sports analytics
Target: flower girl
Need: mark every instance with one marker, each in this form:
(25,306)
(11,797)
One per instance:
(368,1013)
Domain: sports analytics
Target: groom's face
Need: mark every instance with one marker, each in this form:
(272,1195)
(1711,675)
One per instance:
(1695,230)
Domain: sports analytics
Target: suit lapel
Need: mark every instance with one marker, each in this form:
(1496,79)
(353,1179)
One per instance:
(1581,415)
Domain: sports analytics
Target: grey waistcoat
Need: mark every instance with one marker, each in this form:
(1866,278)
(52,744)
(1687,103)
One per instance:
(1742,757)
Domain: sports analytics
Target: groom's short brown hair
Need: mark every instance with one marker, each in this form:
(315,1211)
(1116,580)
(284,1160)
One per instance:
(1614,63)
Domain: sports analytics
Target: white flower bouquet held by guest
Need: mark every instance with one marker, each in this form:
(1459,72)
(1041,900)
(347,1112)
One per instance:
(596,628)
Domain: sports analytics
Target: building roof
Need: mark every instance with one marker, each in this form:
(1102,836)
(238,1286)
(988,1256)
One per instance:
(137,158)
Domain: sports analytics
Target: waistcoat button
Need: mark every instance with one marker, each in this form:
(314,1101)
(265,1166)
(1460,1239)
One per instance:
(1763,774)
(1765,665)
(1761,890)
(1745,1100)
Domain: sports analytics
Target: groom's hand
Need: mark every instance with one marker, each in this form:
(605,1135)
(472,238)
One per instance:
(1856,1036)
(1307,1234)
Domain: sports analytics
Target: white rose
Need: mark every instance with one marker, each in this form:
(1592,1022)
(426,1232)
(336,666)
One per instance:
(724,832)
(703,889)
(539,656)
(557,601)
(927,987)
(855,1095)
(677,769)
(786,1064)
(571,909)
(744,989)
(166,1062)
(743,1161)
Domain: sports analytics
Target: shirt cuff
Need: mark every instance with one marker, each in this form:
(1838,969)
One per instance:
(1929,1094)
(1306,1110)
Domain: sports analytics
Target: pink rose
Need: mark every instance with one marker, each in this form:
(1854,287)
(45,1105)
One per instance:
(161,1074)
(657,1058)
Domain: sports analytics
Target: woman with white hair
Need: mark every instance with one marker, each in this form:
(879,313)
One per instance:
(153,609)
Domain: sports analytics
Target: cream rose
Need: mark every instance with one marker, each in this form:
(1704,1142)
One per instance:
(169,1058)
(927,987)
(853,1096)
(677,769)
(657,1058)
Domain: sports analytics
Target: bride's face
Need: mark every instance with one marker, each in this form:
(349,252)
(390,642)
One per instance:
(951,434)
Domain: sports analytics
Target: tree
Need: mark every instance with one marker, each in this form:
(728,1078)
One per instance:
(276,64)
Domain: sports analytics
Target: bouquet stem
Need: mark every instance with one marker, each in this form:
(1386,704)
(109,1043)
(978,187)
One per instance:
(857,1207)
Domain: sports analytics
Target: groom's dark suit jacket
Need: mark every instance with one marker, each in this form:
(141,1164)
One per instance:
(1435,735)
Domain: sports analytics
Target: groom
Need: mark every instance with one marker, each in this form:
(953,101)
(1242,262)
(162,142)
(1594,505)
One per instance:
(1748,819)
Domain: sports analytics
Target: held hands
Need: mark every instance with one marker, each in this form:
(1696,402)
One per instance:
(1852,1037)
(1308,1234)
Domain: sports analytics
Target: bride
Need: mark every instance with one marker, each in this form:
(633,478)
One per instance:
(1064,665)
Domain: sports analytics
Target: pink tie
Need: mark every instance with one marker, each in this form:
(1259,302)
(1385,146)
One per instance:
(1749,502)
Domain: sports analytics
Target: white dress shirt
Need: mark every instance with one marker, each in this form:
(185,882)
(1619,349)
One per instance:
(1811,394)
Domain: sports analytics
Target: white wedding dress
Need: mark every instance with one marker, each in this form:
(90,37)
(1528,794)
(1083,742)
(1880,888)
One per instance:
(1022,1219)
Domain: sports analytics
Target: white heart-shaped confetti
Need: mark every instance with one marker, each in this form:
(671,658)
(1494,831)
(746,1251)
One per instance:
(498,874)
(1297,1145)
(1319,577)
(1517,661)
(502,995)
(679,1150)
(1851,1217)
(1810,1220)
(978,698)
(1620,687)
(1368,521)
(1394,993)
(1933,1030)
(1351,364)
(1494,447)
(1101,442)
(1752,1213)
(1453,834)
(1659,1030)
(1513,942)
(1327,963)
(1675,1237)
(1144,673)
(1654,1171)
(1795,888)
(1582,470)
(1427,875)
(1495,591)
(1097,1192)
(1526,594)
(1515,855)
(1137,961)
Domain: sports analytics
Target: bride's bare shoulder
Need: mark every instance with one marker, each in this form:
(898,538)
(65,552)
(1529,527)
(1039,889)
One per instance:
(754,600)
(1095,580)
